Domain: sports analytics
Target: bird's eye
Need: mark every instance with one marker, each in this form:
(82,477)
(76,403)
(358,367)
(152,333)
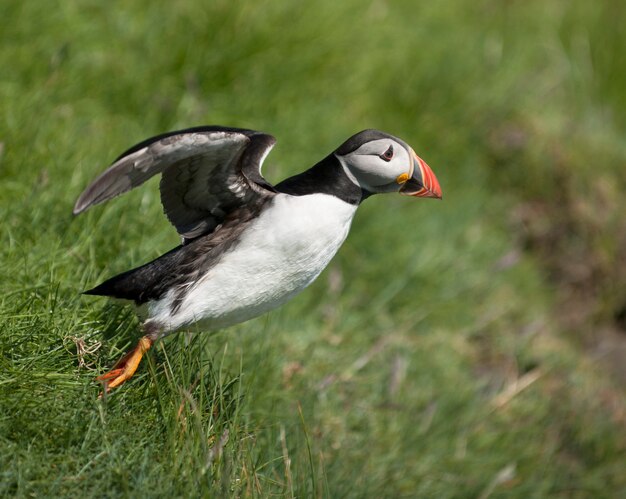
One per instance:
(387,155)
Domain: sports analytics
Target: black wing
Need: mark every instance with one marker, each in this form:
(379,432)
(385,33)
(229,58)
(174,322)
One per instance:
(207,173)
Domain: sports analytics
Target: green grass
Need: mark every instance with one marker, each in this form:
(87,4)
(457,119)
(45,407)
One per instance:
(394,375)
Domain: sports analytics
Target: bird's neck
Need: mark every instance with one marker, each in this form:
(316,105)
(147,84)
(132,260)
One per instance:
(326,177)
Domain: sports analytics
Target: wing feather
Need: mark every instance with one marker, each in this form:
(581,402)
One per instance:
(207,172)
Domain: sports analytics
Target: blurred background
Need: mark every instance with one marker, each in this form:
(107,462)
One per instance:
(473,347)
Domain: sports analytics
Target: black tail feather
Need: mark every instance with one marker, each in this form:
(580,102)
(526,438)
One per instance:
(147,282)
(120,286)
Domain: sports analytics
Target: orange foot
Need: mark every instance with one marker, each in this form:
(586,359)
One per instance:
(124,368)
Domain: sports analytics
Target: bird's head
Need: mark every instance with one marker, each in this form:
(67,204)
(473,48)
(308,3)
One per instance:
(378,162)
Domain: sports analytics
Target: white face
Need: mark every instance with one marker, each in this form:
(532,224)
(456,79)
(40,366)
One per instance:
(379,165)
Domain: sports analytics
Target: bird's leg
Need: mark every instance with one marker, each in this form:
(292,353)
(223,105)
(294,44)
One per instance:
(124,368)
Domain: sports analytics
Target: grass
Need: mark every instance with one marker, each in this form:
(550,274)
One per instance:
(436,357)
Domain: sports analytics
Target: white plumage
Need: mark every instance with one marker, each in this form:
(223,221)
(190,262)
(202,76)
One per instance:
(279,255)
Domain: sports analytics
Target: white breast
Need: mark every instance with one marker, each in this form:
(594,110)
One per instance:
(279,255)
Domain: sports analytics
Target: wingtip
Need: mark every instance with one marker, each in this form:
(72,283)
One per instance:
(79,207)
(89,197)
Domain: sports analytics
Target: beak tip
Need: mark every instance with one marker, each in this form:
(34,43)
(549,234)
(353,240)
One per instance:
(425,180)
(431,184)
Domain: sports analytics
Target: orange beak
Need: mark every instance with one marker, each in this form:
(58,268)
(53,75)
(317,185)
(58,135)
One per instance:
(421,181)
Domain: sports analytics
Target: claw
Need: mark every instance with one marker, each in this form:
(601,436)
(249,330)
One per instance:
(124,368)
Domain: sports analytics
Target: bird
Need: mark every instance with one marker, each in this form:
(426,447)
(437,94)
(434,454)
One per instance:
(247,246)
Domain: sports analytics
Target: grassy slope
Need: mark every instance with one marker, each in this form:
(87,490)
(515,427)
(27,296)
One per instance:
(384,378)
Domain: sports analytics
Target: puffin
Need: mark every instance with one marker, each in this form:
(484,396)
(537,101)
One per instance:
(247,246)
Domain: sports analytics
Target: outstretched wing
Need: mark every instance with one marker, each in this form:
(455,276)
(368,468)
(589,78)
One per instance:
(207,172)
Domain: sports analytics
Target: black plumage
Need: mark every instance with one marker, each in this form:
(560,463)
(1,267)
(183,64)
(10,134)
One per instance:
(326,177)
(181,266)
(207,173)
